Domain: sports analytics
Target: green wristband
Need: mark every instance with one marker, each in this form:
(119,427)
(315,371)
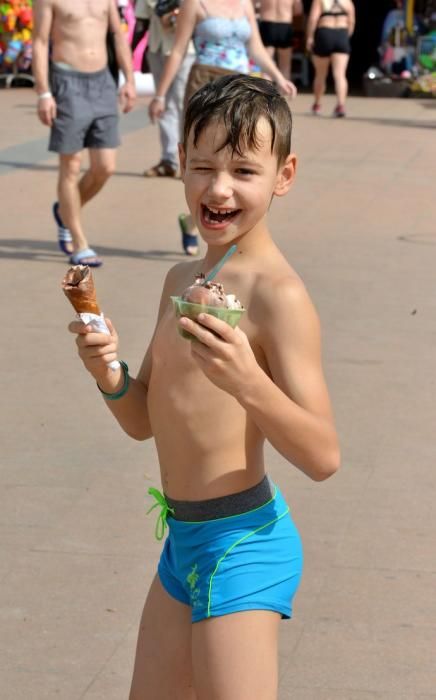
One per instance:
(118,394)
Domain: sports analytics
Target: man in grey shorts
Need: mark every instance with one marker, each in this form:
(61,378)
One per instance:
(81,105)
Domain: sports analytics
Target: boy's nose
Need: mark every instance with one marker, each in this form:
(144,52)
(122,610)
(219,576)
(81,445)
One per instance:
(221,185)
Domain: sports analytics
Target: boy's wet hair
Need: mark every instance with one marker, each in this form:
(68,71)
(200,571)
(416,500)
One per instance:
(239,101)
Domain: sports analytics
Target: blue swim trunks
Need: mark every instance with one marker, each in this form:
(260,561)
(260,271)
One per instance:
(220,557)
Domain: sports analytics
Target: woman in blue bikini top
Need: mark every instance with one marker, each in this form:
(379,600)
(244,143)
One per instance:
(225,36)
(222,41)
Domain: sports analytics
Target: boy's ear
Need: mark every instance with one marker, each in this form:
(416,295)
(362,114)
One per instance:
(286,175)
(182,159)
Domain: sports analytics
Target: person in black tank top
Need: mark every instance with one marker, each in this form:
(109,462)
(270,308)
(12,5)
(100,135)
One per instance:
(330,26)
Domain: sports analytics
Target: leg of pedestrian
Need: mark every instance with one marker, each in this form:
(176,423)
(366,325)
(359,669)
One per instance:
(339,70)
(321,66)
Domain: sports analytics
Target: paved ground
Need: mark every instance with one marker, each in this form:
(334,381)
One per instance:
(77,550)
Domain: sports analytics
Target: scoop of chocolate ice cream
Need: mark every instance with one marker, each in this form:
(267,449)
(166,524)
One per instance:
(209,294)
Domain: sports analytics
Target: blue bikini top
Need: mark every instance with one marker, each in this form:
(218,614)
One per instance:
(222,41)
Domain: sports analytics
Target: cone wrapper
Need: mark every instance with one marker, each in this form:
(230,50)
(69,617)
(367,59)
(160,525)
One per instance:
(79,288)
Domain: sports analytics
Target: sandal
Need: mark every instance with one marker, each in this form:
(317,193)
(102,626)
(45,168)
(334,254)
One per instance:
(162,169)
(189,240)
(65,239)
(87,256)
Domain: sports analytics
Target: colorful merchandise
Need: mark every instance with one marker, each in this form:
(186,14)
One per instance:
(16,24)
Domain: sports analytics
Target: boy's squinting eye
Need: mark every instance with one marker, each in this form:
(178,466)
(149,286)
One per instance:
(245,171)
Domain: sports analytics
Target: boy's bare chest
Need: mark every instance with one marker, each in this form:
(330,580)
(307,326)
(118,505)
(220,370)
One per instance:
(171,354)
(179,390)
(173,364)
(172,361)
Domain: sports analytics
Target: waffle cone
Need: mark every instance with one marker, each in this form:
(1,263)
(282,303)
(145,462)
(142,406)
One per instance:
(78,286)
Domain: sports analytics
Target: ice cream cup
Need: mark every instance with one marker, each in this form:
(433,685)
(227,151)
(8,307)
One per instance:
(187,308)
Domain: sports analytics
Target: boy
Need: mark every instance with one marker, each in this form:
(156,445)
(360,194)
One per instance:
(232,560)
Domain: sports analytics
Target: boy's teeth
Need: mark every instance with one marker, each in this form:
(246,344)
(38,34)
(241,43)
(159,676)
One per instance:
(220,211)
(218,215)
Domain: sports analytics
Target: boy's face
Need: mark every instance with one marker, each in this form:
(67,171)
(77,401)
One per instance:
(229,195)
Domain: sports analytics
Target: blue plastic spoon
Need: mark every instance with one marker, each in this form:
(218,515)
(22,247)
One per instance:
(214,271)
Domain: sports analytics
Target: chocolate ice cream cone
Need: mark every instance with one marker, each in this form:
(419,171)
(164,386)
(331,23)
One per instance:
(78,286)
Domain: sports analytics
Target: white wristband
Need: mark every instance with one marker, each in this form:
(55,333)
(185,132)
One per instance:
(161,98)
(44,95)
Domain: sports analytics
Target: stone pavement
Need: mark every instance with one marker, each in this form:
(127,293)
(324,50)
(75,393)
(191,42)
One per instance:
(78,552)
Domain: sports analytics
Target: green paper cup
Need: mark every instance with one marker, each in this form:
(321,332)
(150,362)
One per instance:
(186,308)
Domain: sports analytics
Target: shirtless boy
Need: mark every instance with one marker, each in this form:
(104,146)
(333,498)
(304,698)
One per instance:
(275,26)
(232,560)
(77,99)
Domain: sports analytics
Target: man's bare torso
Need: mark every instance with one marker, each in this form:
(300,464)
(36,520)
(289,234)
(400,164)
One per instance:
(207,445)
(78,33)
(277,10)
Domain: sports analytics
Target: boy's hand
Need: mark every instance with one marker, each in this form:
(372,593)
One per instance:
(223,353)
(96,350)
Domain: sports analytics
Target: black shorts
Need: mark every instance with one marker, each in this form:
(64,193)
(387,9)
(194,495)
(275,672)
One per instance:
(276,34)
(328,40)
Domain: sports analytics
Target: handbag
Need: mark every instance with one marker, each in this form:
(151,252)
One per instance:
(164,7)
(201,74)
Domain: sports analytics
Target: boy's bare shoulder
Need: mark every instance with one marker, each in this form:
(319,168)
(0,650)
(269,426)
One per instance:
(281,303)
(179,273)
(281,291)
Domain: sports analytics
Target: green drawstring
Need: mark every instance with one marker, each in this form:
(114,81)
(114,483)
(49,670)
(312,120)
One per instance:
(161,522)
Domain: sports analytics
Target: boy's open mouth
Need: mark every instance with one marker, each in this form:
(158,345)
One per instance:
(218,216)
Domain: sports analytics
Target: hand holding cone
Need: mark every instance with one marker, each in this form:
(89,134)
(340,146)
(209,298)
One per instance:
(78,286)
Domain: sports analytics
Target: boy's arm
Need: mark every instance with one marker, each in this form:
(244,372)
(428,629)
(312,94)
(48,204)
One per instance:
(292,406)
(124,58)
(131,410)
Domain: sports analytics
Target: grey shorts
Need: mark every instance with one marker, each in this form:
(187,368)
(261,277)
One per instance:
(87,110)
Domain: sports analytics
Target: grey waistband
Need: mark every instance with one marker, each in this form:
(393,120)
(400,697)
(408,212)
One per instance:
(63,66)
(77,73)
(212,508)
